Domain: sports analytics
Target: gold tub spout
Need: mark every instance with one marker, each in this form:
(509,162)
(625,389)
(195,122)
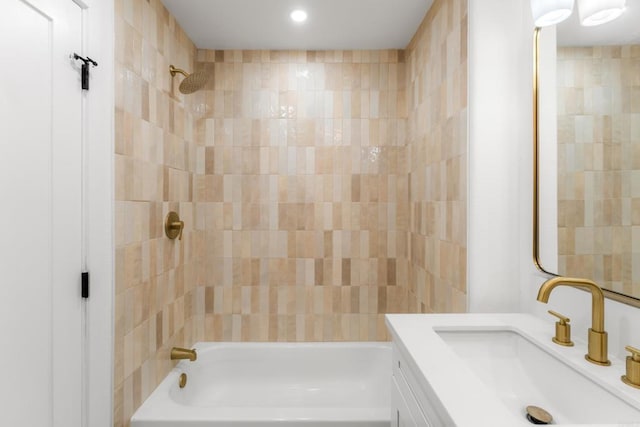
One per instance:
(178,353)
(597,352)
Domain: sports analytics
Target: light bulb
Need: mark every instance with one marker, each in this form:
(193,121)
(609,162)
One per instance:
(298,15)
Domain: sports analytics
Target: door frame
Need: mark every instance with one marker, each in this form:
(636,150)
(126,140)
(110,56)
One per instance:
(98,34)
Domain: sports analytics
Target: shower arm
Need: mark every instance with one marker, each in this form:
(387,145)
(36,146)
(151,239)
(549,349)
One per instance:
(173,70)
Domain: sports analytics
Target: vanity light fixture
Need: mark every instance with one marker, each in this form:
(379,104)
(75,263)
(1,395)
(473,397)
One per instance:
(550,12)
(298,16)
(591,12)
(596,12)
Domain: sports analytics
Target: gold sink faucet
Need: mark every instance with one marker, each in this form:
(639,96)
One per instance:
(597,352)
(178,353)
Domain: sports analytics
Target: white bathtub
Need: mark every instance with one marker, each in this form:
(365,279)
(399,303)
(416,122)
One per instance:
(268,384)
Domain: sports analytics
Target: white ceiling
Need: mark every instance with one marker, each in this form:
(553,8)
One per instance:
(624,30)
(332,24)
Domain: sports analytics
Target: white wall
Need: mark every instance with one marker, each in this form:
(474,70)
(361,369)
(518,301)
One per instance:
(499,93)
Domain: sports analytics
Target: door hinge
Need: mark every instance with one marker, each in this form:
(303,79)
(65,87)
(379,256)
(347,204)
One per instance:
(85,284)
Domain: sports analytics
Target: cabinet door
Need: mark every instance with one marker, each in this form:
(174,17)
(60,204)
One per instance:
(400,412)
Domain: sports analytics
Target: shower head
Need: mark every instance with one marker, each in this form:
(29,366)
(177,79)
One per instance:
(192,82)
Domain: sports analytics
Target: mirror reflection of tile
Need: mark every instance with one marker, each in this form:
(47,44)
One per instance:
(599,165)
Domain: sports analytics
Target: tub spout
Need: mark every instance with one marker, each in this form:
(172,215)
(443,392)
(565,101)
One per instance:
(178,353)
(597,352)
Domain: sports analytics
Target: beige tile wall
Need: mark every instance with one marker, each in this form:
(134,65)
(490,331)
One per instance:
(320,190)
(437,153)
(598,163)
(304,189)
(156,296)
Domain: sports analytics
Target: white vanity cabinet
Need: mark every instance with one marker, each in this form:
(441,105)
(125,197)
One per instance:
(483,370)
(410,403)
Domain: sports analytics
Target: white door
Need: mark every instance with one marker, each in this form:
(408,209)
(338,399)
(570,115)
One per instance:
(40,214)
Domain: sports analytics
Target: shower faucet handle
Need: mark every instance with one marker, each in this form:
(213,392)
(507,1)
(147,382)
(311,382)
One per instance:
(178,225)
(563,330)
(173,226)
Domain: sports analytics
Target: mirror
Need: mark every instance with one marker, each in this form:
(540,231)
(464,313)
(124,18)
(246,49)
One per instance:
(588,145)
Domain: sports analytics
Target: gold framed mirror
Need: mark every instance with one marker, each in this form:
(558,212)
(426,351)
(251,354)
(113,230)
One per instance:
(596,183)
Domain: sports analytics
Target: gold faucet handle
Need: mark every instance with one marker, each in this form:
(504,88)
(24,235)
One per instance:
(173,226)
(563,330)
(632,377)
(635,353)
(563,319)
(178,225)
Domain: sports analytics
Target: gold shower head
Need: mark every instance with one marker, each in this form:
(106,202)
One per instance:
(192,82)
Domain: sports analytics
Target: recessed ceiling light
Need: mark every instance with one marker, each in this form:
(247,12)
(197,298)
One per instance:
(298,15)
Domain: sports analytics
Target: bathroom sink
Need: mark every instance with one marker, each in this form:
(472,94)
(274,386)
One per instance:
(485,369)
(521,373)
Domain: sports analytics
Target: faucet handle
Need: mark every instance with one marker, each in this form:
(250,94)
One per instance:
(173,227)
(632,377)
(563,330)
(635,353)
(563,319)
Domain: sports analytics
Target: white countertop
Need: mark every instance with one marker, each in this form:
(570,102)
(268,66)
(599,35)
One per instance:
(468,401)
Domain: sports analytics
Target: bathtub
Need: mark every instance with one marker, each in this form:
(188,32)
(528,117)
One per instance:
(269,384)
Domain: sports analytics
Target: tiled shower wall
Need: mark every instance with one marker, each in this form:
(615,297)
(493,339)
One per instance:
(437,153)
(156,297)
(292,172)
(598,160)
(304,186)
